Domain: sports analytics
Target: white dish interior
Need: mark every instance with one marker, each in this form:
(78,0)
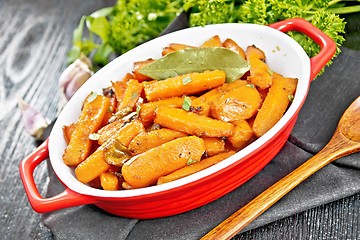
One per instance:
(283,55)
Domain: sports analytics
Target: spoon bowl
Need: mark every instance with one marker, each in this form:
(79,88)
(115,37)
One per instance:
(346,140)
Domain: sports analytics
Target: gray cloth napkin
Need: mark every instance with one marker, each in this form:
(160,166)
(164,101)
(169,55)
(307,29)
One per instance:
(329,96)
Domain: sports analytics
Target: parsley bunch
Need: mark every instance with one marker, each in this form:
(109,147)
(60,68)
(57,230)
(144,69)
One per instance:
(122,27)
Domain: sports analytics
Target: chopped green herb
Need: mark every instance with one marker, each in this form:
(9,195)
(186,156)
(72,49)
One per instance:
(92,97)
(94,136)
(250,85)
(108,109)
(138,110)
(134,95)
(270,72)
(186,104)
(190,161)
(186,80)
(291,98)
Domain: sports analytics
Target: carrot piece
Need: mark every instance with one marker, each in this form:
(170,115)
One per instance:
(148,140)
(202,104)
(92,167)
(176,86)
(252,52)
(95,183)
(232,45)
(192,123)
(68,131)
(89,122)
(109,181)
(212,42)
(238,104)
(213,146)
(242,134)
(137,65)
(131,95)
(144,169)
(109,131)
(275,104)
(109,92)
(129,131)
(147,110)
(260,73)
(179,46)
(166,51)
(194,167)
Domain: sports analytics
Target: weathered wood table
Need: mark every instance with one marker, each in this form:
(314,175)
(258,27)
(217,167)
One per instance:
(35,38)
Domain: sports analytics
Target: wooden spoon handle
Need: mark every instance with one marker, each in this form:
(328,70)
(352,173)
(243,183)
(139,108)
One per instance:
(232,225)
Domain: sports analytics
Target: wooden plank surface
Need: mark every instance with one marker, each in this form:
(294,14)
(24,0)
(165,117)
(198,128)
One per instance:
(34,40)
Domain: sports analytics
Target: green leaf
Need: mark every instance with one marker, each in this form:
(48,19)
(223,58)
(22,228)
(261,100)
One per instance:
(186,104)
(78,32)
(99,26)
(73,54)
(102,12)
(198,60)
(190,161)
(101,55)
(94,136)
(92,97)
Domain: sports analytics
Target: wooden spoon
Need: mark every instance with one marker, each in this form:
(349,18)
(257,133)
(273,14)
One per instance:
(346,140)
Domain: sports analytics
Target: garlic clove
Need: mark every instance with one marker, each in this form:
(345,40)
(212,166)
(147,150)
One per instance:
(34,122)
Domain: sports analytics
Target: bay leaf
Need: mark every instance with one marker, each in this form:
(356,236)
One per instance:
(197,60)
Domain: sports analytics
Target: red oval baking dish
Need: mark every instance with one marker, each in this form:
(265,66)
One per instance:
(283,54)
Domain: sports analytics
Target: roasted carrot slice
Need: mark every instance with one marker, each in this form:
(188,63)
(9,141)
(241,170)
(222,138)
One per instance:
(68,131)
(194,167)
(212,42)
(137,65)
(144,170)
(232,45)
(109,181)
(238,104)
(202,104)
(89,122)
(133,90)
(148,140)
(260,73)
(192,123)
(185,84)
(109,131)
(275,104)
(213,146)
(147,110)
(242,134)
(92,167)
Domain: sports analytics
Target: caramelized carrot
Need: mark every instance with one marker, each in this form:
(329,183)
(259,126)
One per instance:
(213,146)
(232,45)
(109,181)
(275,104)
(137,65)
(202,104)
(89,122)
(144,170)
(68,131)
(133,90)
(212,42)
(177,86)
(238,104)
(194,167)
(192,123)
(260,73)
(147,110)
(242,134)
(148,140)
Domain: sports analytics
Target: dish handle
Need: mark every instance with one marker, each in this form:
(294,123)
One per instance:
(328,46)
(67,198)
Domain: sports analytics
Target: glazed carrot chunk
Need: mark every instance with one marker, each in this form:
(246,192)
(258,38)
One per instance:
(137,65)
(186,84)
(194,167)
(148,140)
(212,42)
(192,123)
(275,104)
(89,122)
(213,145)
(260,73)
(232,45)
(238,104)
(144,169)
(109,181)
(242,134)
